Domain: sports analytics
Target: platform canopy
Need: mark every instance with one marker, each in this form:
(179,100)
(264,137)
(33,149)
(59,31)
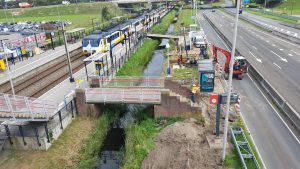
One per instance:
(95,57)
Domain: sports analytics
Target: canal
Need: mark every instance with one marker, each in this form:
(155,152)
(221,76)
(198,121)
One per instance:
(110,155)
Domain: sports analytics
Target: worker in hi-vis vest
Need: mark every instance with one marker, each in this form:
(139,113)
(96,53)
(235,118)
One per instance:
(194,91)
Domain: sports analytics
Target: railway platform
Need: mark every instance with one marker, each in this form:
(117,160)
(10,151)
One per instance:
(27,65)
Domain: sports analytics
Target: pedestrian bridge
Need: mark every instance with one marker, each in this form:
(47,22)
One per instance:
(145,90)
(161,36)
(123,95)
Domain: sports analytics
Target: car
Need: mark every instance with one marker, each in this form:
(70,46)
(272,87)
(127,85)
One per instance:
(213,10)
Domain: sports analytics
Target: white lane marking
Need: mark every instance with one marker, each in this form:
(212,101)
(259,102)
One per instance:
(273,45)
(267,41)
(241,37)
(261,38)
(256,35)
(283,59)
(296,34)
(276,65)
(290,54)
(281,49)
(254,47)
(298,60)
(275,112)
(220,24)
(295,52)
(278,38)
(259,60)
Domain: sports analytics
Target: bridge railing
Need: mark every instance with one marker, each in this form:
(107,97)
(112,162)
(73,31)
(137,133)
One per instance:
(124,81)
(22,108)
(123,95)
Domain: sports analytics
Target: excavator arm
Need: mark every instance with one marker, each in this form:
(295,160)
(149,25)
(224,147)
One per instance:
(225,52)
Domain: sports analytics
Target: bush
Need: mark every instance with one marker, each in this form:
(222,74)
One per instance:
(137,62)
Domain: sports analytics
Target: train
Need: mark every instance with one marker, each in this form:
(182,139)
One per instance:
(101,41)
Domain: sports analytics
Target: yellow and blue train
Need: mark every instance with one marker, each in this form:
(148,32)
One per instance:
(103,41)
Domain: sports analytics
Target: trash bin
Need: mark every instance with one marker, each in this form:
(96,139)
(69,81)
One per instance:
(2,65)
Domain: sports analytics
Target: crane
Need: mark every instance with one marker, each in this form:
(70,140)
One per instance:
(240,66)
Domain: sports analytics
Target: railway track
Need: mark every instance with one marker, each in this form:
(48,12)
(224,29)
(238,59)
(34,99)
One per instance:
(45,77)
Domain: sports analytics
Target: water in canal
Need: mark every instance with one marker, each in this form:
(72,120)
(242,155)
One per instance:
(110,155)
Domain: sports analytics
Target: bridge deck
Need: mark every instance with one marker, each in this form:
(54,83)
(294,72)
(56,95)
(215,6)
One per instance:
(123,95)
(150,35)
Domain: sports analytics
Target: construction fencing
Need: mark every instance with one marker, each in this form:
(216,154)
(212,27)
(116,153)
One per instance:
(123,95)
(26,108)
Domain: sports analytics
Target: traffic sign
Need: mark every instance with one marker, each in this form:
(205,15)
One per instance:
(214,98)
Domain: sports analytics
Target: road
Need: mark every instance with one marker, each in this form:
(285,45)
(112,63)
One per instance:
(276,59)
(276,144)
(270,23)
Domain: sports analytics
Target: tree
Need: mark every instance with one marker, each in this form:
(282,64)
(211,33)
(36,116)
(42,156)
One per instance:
(105,13)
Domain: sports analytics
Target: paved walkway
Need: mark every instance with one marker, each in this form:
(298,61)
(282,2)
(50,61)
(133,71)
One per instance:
(25,66)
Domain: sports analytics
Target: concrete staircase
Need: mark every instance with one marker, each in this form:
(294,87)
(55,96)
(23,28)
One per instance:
(183,99)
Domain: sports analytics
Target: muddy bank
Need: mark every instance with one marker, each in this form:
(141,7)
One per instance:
(182,145)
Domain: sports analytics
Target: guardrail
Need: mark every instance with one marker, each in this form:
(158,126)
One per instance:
(276,31)
(243,148)
(266,87)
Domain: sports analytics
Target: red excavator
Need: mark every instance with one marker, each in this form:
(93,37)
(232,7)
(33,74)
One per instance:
(240,66)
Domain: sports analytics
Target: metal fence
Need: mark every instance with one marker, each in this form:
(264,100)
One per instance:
(243,148)
(123,95)
(124,81)
(294,18)
(26,108)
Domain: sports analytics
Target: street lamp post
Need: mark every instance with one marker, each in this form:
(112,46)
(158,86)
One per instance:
(68,54)
(8,70)
(230,80)
(168,69)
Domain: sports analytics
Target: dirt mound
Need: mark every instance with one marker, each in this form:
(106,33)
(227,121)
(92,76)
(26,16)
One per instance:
(182,145)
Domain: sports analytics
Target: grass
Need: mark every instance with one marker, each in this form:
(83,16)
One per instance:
(80,14)
(92,145)
(185,73)
(140,140)
(271,16)
(218,3)
(64,153)
(287,6)
(137,62)
(232,158)
(185,18)
(165,22)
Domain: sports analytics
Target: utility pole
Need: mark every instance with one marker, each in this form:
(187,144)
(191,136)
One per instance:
(230,81)
(68,54)
(8,70)
(265,6)
(292,3)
